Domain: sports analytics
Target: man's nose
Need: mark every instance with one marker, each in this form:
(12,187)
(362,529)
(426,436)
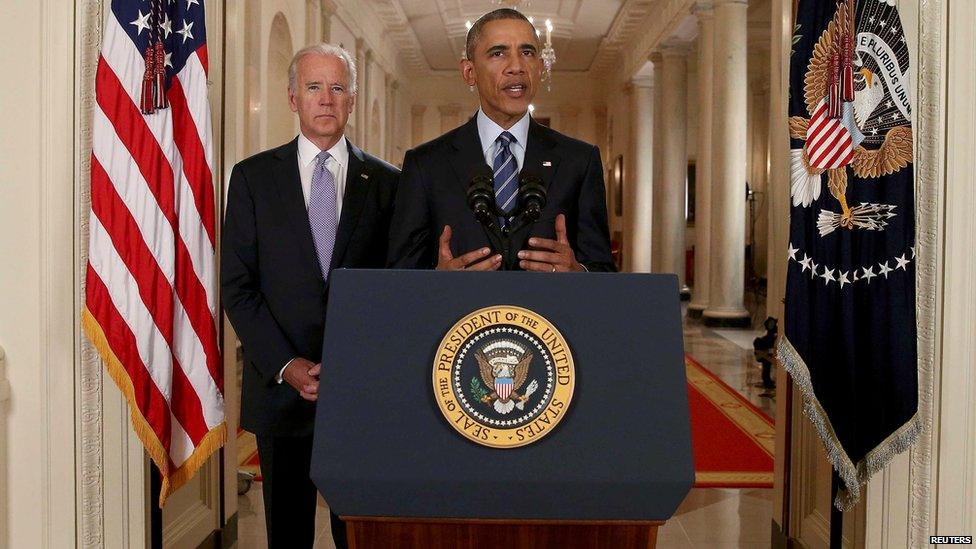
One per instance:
(326,97)
(516,65)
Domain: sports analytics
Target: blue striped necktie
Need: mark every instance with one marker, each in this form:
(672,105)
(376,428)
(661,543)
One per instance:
(322,215)
(506,174)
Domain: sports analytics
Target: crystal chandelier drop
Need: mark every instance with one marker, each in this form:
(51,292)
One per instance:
(548,56)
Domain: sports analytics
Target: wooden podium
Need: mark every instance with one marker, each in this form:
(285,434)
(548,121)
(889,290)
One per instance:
(608,474)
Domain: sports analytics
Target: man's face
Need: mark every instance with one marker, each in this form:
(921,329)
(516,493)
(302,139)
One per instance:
(322,98)
(505,68)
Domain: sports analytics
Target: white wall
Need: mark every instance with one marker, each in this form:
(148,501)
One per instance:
(37,329)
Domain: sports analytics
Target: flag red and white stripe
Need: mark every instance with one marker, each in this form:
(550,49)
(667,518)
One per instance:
(829,143)
(151,292)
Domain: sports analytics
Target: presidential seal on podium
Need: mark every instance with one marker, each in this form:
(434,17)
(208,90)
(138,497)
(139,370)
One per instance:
(503,376)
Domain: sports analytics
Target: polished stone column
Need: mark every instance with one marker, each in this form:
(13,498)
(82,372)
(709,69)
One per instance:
(703,163)
(727,242)
(359,112)
(600,127)
(758,208)
(569,120)
(366,103)
(449,116)
(674,161)
(390,131)
(327,9)
(313,20)
(641,205)
(417,124)
(658,60)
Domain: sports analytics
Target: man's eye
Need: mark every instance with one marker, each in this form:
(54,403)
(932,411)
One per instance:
(313,87)
(338,89)
(495,54)
(528,53)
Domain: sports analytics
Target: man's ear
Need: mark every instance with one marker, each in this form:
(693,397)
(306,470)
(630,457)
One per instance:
(291,100)
(352,102)
(467,72)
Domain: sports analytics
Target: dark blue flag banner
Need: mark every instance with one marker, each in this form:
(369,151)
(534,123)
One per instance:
(850,339)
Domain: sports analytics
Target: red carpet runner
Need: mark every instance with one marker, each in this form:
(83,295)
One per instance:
(732,440)
(247,454)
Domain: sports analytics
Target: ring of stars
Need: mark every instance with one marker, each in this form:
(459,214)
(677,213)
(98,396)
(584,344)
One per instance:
(864,274)
(543,355)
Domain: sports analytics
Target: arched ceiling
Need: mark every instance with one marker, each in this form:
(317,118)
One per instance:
(430,33)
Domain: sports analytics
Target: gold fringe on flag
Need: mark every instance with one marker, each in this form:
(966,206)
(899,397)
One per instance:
(172,480)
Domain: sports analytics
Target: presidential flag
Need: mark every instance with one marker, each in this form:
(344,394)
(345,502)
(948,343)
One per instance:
(850,339)
(151,300)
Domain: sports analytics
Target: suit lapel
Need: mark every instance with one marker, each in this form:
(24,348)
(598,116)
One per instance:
(357,187)
(540,159)
(540,153)
(289,184)
(469,158)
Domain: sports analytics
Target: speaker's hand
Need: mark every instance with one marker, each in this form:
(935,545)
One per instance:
(477,260)
(550,256)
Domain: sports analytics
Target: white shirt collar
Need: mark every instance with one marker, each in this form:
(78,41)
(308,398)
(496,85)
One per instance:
(488,130)
(307,151)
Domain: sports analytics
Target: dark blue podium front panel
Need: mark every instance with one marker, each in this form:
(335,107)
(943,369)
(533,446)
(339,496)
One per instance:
(383,448)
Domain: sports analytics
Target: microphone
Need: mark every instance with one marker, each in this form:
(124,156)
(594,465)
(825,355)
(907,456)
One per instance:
(481,196)
(532,197)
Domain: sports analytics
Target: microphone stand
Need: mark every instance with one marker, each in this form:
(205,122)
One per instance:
(501,238)
(532,198)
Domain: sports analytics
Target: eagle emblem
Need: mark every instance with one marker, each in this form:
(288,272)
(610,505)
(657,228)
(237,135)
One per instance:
(856,91)
(504,366)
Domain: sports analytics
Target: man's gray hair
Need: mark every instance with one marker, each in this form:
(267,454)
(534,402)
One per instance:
(323,49)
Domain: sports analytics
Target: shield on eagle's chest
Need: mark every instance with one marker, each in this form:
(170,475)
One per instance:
(503,386)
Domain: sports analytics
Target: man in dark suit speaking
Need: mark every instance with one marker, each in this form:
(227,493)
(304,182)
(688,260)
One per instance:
(433,226)
(294,213)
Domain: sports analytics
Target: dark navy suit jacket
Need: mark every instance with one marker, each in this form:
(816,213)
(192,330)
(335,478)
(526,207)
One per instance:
(272,286)
(433,187)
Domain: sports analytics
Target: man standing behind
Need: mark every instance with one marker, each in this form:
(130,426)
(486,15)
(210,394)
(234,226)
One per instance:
(432,224)
(294,213)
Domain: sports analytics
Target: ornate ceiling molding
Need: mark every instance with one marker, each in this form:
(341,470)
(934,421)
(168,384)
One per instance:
(398,30)
(628,25)
(630,22)
(639,26)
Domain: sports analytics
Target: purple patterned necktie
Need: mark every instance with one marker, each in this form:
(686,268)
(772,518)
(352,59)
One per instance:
(322,212)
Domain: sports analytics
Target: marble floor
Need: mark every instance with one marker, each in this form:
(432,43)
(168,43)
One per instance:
(713,518)
(250,522)
(720,518)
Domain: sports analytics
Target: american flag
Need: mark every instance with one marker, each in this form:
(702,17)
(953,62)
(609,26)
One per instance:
(151,298)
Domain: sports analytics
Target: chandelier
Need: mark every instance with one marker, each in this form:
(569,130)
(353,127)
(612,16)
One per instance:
(548,54)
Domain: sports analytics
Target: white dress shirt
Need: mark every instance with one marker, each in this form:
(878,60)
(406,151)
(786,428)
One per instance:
(338,165)
(488,132)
